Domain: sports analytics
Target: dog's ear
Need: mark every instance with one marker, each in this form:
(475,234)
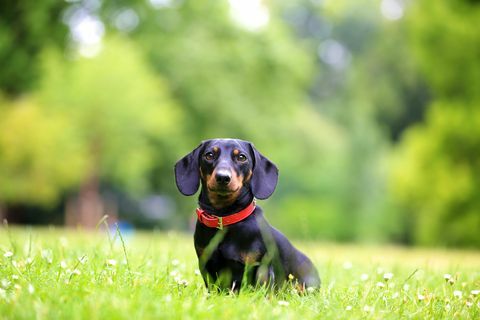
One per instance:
(264,175)
(187,173)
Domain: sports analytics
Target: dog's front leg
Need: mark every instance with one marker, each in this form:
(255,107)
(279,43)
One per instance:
(265,276)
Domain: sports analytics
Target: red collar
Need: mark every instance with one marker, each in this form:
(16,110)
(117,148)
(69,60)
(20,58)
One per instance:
(213,221)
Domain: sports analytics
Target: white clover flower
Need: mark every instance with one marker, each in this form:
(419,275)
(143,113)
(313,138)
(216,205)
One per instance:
(31,289)
(469,304)
(111,262)
(406,286)
(8,254)
(347,265)
(174,273)
(395,295)
(475,292)
(448,307)
(5,283)
(283,303)
(447,276)
(368,309)
(76,271)
(457,293)
(175,262)
(310,289)
(420,297)
(63,264)
(47,255)
(364,277)
(63,241)
(348,308)
(387,276)
(3,293)
(380,284)
(290,276)
(15,277)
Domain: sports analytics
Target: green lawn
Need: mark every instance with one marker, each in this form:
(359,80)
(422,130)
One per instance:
(61,274)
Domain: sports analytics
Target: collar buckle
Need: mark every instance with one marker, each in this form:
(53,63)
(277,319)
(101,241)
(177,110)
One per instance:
(220,223)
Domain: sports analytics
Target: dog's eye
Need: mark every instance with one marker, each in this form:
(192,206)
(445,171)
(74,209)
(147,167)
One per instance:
(241,157)
(209,156)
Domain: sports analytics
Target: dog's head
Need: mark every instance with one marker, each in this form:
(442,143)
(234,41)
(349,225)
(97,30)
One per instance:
(224,167)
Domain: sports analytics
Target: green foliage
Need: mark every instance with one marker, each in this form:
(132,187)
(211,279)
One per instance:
(49,274)
(435,176)
(435,173)
(26,27)
(39,154)
(227,79)
(116,107)
(447,45)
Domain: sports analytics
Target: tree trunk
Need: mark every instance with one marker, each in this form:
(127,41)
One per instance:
(3,213)
(87,209)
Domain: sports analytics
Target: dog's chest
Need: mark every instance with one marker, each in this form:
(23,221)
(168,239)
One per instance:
(236,247)
(247,254)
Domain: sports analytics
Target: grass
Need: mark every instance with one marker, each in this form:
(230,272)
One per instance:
(65,274)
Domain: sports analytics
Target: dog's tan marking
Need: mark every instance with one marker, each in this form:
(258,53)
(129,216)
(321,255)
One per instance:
(210,179)
(251,257)
(223,200)
(249,176)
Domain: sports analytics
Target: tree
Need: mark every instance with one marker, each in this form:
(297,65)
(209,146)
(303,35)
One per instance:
(26,28)
(435,179)
(40,156)
(117,108)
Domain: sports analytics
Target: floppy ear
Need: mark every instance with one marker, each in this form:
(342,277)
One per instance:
(187,174)
(264,175)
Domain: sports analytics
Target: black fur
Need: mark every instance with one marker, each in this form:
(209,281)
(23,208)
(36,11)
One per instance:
(250,250)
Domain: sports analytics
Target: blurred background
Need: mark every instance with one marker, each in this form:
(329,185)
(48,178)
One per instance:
(370,108)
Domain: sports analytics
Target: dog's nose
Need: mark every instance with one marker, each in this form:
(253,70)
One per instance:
(223,177)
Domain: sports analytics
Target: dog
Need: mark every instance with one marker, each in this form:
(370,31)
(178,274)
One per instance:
(234,243)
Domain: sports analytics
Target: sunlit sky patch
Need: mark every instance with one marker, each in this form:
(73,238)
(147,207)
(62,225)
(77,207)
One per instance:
(392,9)
(86,31)
(158,4)
(250,14)
(126,20)
(334,54)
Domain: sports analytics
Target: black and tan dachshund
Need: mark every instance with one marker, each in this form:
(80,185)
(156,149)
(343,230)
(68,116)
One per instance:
(233,240)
